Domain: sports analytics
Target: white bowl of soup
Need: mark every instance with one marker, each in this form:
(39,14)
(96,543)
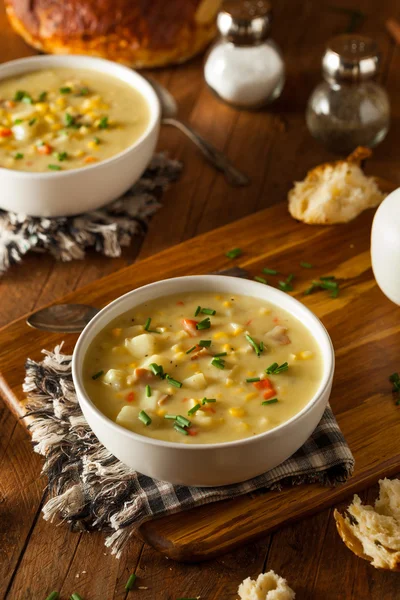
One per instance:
(75,133)
(203,380)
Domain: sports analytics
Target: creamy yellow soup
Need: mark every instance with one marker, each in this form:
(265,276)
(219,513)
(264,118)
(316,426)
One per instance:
(60,119)
(203,368)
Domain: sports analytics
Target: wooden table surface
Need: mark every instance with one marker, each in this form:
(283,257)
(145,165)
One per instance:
(274,148)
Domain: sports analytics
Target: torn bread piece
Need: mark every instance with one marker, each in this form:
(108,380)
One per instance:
(373,533)
(267,586)
(335,192)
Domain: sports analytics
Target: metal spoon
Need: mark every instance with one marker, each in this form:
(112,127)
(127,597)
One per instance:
(62,318)
(169,111)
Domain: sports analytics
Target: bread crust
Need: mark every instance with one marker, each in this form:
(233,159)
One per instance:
(133,32)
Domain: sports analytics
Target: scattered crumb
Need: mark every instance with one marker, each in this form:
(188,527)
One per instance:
(142,587)
(77,576)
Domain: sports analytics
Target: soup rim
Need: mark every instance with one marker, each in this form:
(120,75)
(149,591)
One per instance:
(30,64)
(93,328)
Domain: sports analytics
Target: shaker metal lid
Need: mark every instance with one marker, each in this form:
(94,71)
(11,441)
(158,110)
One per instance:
(350,57)
(245,22)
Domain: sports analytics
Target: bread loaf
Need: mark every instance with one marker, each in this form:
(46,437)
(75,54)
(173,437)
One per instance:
(133,32)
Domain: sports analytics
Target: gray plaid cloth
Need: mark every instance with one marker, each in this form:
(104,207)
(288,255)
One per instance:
(89,488)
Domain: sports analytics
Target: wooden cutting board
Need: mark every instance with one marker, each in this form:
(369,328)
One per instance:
(363,324)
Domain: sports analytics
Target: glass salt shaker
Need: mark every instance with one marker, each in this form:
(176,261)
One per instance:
(244,67)
(349,109)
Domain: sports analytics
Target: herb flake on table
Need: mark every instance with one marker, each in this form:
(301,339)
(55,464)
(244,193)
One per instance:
(53,596)
(234,253)
(270,271)
(131,582)
(260,279)
(327,282)
(395,380)
(306,265)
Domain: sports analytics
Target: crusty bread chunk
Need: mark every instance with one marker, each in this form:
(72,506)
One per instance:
(335,192)
(267,586)
(373,533)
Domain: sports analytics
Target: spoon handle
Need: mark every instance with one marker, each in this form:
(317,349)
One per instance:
(215,157)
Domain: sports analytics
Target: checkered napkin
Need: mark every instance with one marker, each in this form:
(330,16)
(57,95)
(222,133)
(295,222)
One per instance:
(106,229)
(89,488)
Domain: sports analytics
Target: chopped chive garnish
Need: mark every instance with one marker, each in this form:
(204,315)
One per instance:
(60,155)
(53,596)
(257,348)
(272,401)
(75,596)
(284,286)
(306,265)
(275,369)
(234,253)
(17,121)
(270,271)
(69,120)
(208,311)
(144,417)
(190,349)
(395,380)
(220,354)
(18,155)
(328,282)
(208,400)
(157,370)
(42,96)
(84,91)
(205,324)
(311,289)
(183,421)
(131,582)
(171,417)
(173,382)
(19,95)
(218,362)
(252,379)
(147,327)
(96,140)
(205,343)
(103,124)
(65,90)
(194,410)
(180,429)
(196,312)
(148,391)
(54,167)
(32,121)
(260,279)
(97,375)
(290,278)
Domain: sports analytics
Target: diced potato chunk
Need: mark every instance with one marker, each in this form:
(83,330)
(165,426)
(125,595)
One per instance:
(196,382)
(115,377)
(141,345)
(127,416)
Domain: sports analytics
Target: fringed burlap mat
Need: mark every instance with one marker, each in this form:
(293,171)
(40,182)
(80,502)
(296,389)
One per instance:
(90,489)
(106,229)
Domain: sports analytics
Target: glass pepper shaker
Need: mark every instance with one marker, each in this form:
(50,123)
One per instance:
(244,67)
(349,109)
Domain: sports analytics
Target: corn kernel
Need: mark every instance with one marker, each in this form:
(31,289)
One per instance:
(179,355)
(61,102)
(226,347)
(250,396)
(292,357)
(218,335)
(161,412)
(41,107)
(251,373)
(176,348)
(116,331)
(237,411)
(228,382)
(244,426)
(79,153)
(49,119)
(305,355)
(56,127)
(227,304)
(237,331)
(104,106)
(264,311)
(182,334)
(132,365)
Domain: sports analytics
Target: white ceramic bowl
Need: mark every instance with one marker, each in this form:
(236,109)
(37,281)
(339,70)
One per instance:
(385,246)
(205,464)
(62,193)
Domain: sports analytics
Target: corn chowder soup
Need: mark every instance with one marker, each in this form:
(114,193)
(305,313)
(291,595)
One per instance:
(202,368)
(59,119)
